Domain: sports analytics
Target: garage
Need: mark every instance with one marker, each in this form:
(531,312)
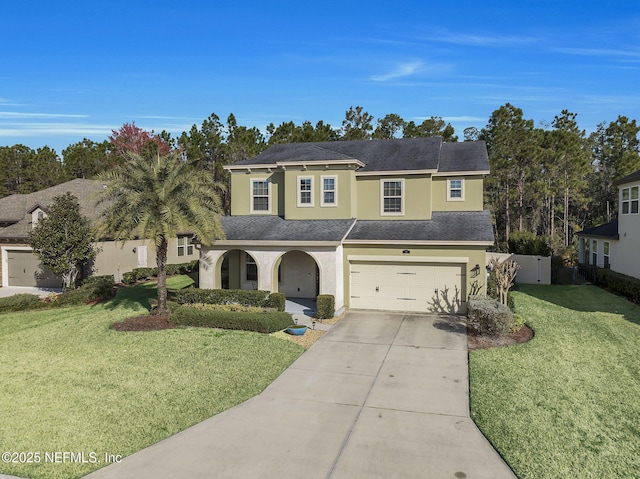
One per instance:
(24,269)
(403,286)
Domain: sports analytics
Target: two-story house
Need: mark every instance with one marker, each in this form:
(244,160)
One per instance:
(614,245)
(382,224)
(19,213)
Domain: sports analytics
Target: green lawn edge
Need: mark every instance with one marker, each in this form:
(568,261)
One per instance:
(71,384)
(566,403)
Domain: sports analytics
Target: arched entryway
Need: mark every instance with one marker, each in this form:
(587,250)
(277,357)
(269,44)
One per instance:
(238,270)
(298,275)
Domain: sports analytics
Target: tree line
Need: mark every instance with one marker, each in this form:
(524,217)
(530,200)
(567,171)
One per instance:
(551,180)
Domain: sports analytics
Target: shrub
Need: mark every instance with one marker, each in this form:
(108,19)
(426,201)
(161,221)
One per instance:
(492,290)
(488,316)
(129,277)
(20,302)
(619,283)
(326,305)
(229,307)
(222,296)
(261,322)
(518,323)
(144,273)
(277,301)
(102,285)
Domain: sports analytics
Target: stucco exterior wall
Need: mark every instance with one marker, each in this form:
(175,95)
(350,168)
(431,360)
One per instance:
(473,194)
(241,192)
(417,198)
(627,257)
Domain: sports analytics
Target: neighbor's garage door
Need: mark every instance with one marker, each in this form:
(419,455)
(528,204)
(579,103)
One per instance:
(424,287)
(24,270)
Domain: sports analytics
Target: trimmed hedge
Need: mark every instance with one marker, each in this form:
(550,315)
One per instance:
(92,289)
(262,322)
(21,302)
(138,274)
(277,301)
(488,316)
(619,283)
(326,305)
(245,297)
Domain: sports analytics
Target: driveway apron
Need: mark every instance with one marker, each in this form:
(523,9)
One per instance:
(380,395)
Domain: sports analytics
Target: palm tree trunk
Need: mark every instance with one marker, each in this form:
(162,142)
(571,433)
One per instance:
(161,260)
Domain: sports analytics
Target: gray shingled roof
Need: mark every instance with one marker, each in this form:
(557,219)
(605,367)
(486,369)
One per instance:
(443,226)
(15,208)
(274,228)
(635,176)
(607,230)
(384,155)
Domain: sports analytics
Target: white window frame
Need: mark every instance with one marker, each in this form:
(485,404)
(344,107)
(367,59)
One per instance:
(334,190)
(450,189)
(606,254)
(252,196)
(594,252)
(382,197)
(299,181)
(630,203)
(184,244)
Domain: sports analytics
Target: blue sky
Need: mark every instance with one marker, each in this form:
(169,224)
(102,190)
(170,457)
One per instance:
(76,69)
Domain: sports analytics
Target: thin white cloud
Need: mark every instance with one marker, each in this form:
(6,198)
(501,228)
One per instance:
(407,69)
(21,115)
(480,40)
(601,52)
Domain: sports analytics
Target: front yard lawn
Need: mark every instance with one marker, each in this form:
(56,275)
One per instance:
(71,384)
(567,403)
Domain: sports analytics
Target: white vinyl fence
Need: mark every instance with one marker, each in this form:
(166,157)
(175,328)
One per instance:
(533,269)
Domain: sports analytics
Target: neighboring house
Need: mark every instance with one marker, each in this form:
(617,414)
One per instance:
(20,212)
(614,245)
(381,224)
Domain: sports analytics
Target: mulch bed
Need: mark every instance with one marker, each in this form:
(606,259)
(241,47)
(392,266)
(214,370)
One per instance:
(477,341)
(144,323)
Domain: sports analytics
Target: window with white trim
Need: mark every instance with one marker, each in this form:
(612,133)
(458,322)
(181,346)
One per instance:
(259,196)
(605,254)
(329,191)
(251,267)
(305,191)
(392,197)
(455,190)
(630,200)
(184,246)
(594,252)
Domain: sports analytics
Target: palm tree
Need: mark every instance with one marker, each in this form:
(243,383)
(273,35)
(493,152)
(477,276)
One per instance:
(157,199)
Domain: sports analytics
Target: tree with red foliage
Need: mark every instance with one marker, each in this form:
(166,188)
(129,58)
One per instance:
(132,139)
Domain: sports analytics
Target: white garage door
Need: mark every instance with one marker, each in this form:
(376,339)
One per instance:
(424,287)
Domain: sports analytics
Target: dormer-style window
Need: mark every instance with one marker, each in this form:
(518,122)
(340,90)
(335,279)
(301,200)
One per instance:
(392,193)
(455,190)
(329,191)
(630,200)
(260,196)
(305,191)
(36,216)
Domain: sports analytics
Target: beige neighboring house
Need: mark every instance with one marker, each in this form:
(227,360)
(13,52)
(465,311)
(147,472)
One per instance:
(20,212)
(614,245)
(380,224)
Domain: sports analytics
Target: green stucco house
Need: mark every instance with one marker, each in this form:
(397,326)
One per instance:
(380,224)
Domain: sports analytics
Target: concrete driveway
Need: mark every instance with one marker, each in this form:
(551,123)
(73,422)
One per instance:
(380,395)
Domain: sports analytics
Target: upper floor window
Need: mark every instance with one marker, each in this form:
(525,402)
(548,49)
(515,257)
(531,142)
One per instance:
(184,246)
(305,191)
(260,196)
(329,191)
(392,197)
(455,190)
(630,199)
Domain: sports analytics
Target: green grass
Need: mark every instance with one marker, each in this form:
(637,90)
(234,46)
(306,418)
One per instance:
(179,281)
(566,404)
(69,383)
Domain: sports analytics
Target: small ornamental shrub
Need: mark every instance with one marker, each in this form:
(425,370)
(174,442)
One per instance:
(488,316)
(101,285)
(222,296)
(326,305)
(21,302)
(518,323)
(129,277)
(96,289)
(261,322)
(277,301)
(144,273)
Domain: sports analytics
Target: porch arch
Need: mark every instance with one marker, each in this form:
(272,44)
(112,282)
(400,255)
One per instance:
(237,269)
(297,274)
